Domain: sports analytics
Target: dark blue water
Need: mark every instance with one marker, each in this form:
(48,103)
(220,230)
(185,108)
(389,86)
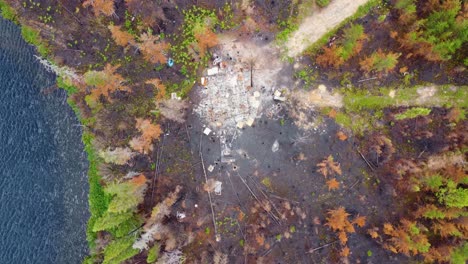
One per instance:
(43,183)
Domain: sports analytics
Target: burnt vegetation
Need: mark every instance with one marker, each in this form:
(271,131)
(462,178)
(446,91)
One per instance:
(148,205)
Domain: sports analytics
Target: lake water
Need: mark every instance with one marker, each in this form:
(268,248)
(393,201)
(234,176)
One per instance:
(43,182)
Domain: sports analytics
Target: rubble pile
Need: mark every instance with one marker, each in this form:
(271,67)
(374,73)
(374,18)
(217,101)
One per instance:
(237,87)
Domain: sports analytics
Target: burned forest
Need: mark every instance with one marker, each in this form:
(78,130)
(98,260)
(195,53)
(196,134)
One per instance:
(306,131)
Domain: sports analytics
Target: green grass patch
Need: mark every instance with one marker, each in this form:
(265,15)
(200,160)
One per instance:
(182,88)
(362,99)
(413,113)
(7,12)
(33,37)
(363,107)
(448,96)
(453,97)
(196,21)
(68,87)
(288,27)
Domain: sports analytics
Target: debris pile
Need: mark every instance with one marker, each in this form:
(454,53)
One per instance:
(238,86)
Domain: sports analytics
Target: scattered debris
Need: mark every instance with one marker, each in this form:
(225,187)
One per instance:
(212,71)
(250,122)
(180,215)
(207,131)
(203,81)
(277,96)
(217,61)
(239,89)
(210,168)
(170,62)
(341,135)
(218,187)
(275,146)
(226,153)
(175,97)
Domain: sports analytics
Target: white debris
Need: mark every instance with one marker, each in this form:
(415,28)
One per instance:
(277,96)
(256,94)
(255,104)
(240,125)
(249,122)
(218,187)
(181,215)
(131,174)
(175,97)
(217,60)
(203,81)
(207,131)
(322,88)
(212,71)
(210,168)
(392,93)
(275,146)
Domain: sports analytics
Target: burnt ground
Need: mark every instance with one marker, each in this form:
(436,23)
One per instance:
(286,178)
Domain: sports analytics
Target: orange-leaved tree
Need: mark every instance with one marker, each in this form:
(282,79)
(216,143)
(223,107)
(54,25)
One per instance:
(380,61)
(330,57)
(206,39)
(121,37)
(406,238)
(153,49)
(104,82)
(328,166)
(149,132)
(338,221)
(333,184)
(161,88)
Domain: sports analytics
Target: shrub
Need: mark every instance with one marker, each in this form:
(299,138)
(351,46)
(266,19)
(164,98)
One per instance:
(380,62)
(153,254)
(119,250)
(345,48)
(322,3)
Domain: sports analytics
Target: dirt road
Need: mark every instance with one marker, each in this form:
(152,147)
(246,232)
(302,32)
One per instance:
(319,23)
